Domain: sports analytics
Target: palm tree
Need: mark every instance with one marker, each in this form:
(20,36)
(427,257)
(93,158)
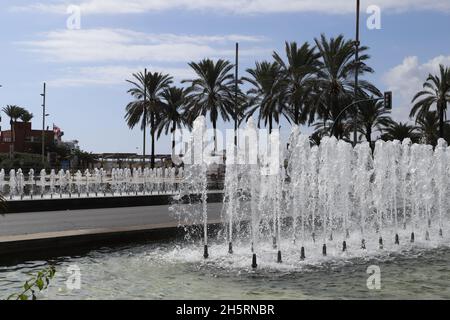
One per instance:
(299,72)
(212,92)
(172,117)
(400,131)
(26,116)
(267,93)
(334,88)
(428,127)
(147,91)
(372,116)
(436,91)
(14,113)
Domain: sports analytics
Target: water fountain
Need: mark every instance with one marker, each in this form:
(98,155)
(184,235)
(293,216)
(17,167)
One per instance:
(351,198)
(96,182)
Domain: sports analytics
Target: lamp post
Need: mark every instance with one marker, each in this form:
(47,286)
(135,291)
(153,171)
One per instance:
(145,116)
(355,115)
(236,96)
(43,95)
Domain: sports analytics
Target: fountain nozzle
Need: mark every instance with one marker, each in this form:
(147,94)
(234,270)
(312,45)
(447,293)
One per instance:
(324,249)
(412,237)
(440,232)
(205,252)
(344,246)
(427,235)
(302,253)
(279,257)
(254,264)
(380,241)
(397,240)
(230,248)
(363,244)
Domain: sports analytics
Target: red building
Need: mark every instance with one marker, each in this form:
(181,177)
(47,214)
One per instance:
(25,139)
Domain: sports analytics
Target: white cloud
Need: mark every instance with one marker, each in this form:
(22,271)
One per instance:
(407,78)
(111,75)
(88,45)
(232,6)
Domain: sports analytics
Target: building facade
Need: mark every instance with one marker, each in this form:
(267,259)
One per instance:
(24,139)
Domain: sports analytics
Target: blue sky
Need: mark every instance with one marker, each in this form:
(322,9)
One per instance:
(86,69)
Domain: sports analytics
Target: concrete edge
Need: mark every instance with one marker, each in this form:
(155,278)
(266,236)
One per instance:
(65,242)
(75,203)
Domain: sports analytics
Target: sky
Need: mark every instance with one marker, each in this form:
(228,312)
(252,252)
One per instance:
(85,50)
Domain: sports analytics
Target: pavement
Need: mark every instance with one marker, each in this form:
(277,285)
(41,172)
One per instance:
(43,232)
(70,220)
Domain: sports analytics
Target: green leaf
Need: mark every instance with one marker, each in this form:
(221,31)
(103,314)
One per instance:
(40,283)
(26,286)
(23,297)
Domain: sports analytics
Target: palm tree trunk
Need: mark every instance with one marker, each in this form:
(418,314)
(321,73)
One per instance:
(297,114)
(145,136)
(215,136)
(173,142)
(270,124)
(369,136)
(441,119)
(11,149)
(152,132)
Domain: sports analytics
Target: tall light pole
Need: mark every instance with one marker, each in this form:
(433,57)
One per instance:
(44,95)
(355,115)
(236,96)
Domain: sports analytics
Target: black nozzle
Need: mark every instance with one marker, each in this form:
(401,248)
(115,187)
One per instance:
(412,236)
(254,264)
(230,248)
(205,252)
(324,250)
(363,244)
(397,240)
(344,246)
(380,241)
(302,253)
(279,257)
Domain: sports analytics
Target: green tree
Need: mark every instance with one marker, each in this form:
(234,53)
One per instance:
(427,126)
(400,131)
(173,117)
(334,88)
(147,91)
(26,116)
(211,92)
(267,93)
(14,113)
(436,91)
(299,72)
(372,117)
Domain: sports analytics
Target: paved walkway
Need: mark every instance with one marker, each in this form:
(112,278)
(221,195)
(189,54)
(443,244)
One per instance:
(93,219)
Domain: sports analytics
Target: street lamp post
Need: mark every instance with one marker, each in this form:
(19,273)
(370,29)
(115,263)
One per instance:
(236,96)
(355,115)
(44,95)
